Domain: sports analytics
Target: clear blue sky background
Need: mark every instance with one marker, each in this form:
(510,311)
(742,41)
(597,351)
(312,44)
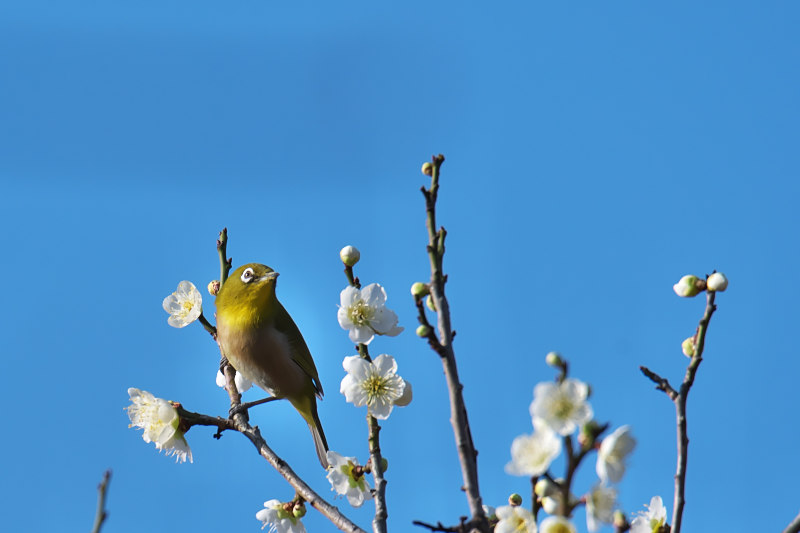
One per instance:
(596,152)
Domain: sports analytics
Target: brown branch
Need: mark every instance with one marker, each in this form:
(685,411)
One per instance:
(461,528)
(661,383)
(240,423)
(458,412)
(102,490)
(225,263)
(680,398)
(794,527)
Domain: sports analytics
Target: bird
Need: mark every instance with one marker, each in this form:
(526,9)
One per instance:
(260,339)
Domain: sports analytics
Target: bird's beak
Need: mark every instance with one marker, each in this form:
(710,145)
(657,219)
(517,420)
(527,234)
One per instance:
(269,276)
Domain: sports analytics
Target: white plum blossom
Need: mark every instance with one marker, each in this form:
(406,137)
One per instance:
(489,511)
(531,455)
(242,383)
(557,524)
(561,406)
(343,480)
(613,453)
(407,396)
(717,282)
(183,305)
(551,503)
(600,504)
(374,384)
(650,521)
(159,421)
(364,313)
(279,519)
(514,519)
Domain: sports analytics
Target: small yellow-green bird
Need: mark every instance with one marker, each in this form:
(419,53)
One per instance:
(261,340)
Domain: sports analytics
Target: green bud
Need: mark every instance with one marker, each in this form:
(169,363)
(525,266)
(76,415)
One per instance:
(554,359)
(419,289)
(299,510)
(427,169)
(588,434)
(688,347)
(350,255)
(423,331)
(384,464)
(689,286)
(213,287)
(515,500)
(430,304)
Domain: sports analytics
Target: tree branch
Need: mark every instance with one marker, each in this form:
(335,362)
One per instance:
(224,262)
(101,515)
(458,412)
(680,398)
(661,383)
(461,528)
(794,527)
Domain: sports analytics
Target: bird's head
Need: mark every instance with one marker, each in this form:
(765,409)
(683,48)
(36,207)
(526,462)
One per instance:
(248,295)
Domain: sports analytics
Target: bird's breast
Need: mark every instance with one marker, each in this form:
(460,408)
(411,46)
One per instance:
(262,355)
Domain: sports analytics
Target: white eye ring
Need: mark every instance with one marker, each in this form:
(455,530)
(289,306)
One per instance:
(247,275)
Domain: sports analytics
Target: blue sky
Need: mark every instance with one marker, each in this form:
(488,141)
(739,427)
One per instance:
(596,152)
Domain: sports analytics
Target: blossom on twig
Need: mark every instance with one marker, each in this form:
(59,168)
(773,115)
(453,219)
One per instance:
(557,524)
(184,305)
(600,504)
(279,519)
(364,313)
(159,421)
(650,521)
(561,406)
(374,384)
(514,519)
(613,453)
(531,455)
(346,480)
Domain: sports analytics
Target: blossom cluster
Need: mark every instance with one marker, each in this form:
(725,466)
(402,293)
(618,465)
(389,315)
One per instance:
(558,410)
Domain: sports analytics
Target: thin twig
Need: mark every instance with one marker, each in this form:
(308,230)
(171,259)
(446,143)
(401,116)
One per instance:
(225,263)
(794,527)
(375,457)
(679,399)
(458,412)
(661,383)
(443,528)
(102,490)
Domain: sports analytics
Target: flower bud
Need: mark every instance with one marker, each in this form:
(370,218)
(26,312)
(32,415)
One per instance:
(620,521)
(384,464)
(213,287)
(299,510)
(515,500)
(688,347)
(427,168)
(350,255)
(588,434)
(407,396)
(554,359)
(489,511)
(423,331)
(430,304)
(689,286)
(544,488)
(717,282)
(419,289)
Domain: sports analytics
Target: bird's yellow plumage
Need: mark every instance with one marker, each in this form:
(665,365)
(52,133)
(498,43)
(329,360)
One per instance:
(260,339)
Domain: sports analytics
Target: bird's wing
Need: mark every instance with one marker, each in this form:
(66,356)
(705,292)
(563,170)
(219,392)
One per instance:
(300,353)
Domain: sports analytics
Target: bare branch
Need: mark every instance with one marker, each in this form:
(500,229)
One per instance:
(458,412)
(102,490)
(661,383)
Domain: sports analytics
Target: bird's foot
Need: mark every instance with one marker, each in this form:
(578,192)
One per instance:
(243,407)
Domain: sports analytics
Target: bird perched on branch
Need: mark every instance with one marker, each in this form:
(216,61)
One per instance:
(261,340)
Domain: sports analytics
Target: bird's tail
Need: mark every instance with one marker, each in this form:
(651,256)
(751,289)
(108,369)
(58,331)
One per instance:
(308,408)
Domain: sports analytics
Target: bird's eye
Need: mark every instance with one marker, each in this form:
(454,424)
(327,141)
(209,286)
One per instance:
(247,275)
